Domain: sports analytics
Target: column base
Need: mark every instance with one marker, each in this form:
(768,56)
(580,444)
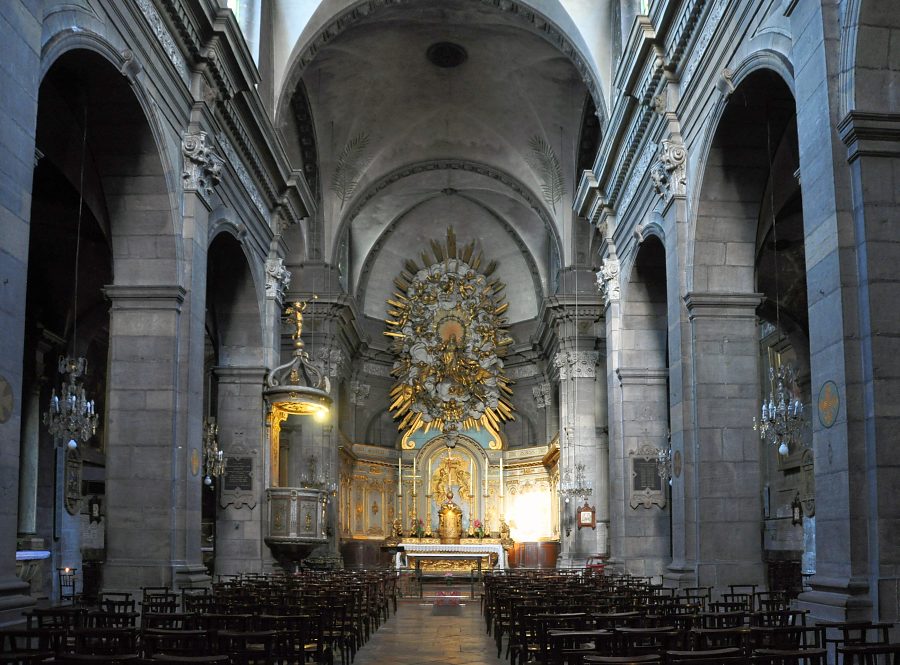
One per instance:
(191,576)
(837,600)
(679,575)
(125,576)
(15,598)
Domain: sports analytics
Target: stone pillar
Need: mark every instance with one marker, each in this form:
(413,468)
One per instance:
(643,406)
(142,457)
(576,364)
(873,142)
(240,522)
(721,469)
(28,461)
(19,74)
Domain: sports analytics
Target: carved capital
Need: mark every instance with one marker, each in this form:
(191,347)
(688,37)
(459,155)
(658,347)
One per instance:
(542,395)
(278,278)
(359,393)
(202,168)
(329,361)
(669,171)
(576,364)
(608,280)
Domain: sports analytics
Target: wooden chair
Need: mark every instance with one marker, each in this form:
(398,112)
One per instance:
(790,656)
(870,654)
(624,660)
(256,647)
(708,657)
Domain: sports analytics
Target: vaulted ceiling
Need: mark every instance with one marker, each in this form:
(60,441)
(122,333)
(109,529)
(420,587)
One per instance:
(441,113)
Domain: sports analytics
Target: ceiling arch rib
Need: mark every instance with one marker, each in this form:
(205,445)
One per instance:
(506,183)
(410,232)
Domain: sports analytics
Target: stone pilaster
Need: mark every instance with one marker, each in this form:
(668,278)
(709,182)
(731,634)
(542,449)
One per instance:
(144,458)
(240,525)
(721,468)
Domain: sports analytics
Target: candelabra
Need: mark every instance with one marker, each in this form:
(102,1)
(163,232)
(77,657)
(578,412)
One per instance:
(576,486)
(71,414)
(781,416)
(213,458)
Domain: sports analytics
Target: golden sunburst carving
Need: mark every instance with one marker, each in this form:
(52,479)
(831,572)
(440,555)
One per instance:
(449,334)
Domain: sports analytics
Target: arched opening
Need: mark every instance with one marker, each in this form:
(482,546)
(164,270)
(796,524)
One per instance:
(101,218)
(749,313)
(641,509)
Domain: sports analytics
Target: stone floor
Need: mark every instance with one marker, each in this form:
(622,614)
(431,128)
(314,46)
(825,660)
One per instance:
(422,633)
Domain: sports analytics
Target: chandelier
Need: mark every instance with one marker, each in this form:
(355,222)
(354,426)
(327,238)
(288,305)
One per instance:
(574,485)
(213,459)
(71,416)
(781,417)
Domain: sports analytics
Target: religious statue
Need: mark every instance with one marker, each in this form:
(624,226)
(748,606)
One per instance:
(396,533)
(450,521)
(505,540)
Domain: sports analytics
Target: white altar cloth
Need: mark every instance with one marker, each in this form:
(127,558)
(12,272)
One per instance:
(434,550)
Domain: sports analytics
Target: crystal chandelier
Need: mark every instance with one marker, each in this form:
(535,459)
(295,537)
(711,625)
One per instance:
(213,459)
(71,415)
(781,416)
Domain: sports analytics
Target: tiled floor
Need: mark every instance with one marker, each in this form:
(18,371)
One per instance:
(422,634)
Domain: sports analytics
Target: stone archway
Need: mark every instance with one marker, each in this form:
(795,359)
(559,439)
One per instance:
(133,260)
(639,509)
(235,379)
(723,469)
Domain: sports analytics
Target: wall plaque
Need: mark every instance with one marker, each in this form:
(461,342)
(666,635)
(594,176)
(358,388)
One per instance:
(829,403)
(237,484)
(239,475)
(6,400)
(73,482)
(646,487)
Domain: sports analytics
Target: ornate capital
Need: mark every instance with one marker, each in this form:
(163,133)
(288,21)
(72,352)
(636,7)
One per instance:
(359,393)
(608,280)
(202,168)
(329,361)
(669,171)
(542,395)
(278,278)
(576,364)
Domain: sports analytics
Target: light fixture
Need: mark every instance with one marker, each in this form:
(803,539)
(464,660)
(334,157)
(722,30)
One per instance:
(575,484)
(298,387)
(71,416)
(781,417)
(213,459)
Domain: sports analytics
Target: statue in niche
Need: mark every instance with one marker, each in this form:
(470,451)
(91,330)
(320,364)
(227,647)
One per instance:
(450,521)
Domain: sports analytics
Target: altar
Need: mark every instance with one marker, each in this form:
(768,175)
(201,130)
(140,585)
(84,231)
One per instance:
(440,558)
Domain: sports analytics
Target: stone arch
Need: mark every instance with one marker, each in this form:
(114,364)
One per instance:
(732,179)
(515,186)
(232,303)
(869,80)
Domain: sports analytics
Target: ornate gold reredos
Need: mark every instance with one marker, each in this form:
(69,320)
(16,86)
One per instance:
(449,335)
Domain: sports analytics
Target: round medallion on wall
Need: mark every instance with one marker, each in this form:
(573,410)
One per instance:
(6,400)
(829,403)
(195,461)
(676,464)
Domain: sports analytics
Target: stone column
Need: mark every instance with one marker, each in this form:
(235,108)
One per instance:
(644,407)
(20,77)
(143,456)
(576,364)
(873,153)
(28,461)
(721,469)
(240,521)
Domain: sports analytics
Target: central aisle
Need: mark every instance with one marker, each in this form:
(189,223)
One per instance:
(420,633)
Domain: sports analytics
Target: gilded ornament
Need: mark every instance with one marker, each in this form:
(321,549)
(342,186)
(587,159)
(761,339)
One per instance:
(449,335)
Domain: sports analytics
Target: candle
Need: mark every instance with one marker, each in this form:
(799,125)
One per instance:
(399,476)
(502,491)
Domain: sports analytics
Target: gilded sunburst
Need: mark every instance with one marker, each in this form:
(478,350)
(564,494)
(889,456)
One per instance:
(449,335)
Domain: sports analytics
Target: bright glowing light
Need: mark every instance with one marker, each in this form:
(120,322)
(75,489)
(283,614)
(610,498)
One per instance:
(528,515)
(321,415)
